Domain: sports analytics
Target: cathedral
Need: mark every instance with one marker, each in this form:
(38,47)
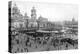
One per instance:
(18,20)
(24,21)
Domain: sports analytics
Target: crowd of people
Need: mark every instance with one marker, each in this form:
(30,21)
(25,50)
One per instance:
(22,42)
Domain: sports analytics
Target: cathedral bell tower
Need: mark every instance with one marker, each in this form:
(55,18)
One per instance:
(33,14)
(15,10)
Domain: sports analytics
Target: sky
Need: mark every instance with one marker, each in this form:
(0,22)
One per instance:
(51,11)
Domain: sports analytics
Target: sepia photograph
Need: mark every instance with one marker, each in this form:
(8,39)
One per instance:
(42,26)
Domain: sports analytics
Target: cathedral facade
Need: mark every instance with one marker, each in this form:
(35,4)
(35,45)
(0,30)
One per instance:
(24,21)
